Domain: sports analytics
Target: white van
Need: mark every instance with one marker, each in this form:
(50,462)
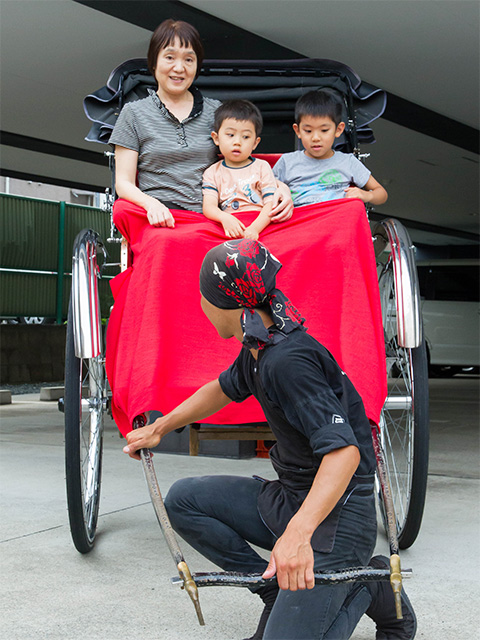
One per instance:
(450,306)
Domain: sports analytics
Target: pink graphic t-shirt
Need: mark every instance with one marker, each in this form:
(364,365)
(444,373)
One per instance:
(243,189)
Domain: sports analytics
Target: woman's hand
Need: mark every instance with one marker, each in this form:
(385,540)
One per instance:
(158,215)
(292,560)
(144,438)
(282,204)
(232,227)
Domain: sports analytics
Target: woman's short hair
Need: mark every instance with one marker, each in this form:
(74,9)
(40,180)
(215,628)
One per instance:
(165,34)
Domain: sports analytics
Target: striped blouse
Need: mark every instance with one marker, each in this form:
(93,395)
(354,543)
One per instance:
(172,155)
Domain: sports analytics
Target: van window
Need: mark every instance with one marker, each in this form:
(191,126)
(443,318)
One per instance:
(444,282)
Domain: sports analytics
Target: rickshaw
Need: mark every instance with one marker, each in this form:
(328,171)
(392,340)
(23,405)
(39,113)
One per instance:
(401,437)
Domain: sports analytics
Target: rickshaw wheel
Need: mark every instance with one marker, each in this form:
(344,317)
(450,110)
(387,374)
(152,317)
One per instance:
(404,423)
(84,406)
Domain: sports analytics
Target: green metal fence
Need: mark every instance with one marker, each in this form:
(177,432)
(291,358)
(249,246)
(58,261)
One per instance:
(36,241)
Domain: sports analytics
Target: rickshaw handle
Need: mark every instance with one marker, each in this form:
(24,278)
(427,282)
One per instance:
(165,525)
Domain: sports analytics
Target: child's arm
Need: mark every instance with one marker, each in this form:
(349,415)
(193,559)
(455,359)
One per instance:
(372,192)
(232,227)
(261,221)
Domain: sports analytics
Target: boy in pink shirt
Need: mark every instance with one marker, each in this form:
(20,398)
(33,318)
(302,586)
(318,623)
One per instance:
(238,182)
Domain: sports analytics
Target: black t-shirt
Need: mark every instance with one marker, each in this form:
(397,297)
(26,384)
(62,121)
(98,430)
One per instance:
(311,407)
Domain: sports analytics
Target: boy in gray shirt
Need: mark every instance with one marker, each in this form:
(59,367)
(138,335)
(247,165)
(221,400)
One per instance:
(318,173)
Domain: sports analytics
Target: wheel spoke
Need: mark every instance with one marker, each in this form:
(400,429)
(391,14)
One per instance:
(84,440)
(403,429)
(85,394)
(396,430)
(91,430)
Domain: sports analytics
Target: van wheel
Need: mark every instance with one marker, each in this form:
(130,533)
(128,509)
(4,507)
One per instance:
(443,371)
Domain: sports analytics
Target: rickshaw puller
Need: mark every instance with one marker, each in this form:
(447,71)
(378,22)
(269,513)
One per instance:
(320,513)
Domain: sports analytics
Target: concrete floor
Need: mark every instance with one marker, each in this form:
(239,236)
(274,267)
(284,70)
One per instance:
(122,590)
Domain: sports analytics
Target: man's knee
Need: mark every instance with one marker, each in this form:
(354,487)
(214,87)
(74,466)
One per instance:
(176,500)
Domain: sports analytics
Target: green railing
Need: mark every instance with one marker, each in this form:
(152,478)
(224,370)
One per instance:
(36,240)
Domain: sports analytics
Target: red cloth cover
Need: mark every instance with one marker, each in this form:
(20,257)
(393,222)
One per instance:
(160,346)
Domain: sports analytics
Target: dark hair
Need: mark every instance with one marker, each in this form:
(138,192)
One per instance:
(165,34)
(242,110)
(317,104)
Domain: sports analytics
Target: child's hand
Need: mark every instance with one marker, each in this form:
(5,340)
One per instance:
(233,227)
(251,234)
(356,192)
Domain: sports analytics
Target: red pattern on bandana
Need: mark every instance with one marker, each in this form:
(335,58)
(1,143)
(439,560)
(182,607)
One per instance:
(255,279)
(248,248)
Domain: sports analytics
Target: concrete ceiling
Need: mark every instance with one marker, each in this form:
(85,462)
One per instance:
(423,52)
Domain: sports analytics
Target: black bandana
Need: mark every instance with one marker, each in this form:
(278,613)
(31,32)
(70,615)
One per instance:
(242,273)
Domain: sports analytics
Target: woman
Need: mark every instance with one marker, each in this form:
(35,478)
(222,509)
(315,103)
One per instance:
(162,147)
(163,141)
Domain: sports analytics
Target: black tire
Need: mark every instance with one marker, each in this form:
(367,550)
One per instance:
(444,371)
(36,320)
(83,440)
(404,424)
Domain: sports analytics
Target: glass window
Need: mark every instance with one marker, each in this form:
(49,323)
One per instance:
(456,282)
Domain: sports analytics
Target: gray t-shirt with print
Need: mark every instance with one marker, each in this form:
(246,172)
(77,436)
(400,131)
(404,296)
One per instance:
(311,180)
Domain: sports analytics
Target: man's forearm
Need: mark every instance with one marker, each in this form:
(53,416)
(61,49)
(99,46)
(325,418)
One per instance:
(207,400)
(203,403)
(292,556)
(333,476)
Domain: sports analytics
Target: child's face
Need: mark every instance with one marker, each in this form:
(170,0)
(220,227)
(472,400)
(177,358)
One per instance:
(318,134)
(236,140)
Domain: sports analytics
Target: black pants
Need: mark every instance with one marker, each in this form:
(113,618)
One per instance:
(218,516)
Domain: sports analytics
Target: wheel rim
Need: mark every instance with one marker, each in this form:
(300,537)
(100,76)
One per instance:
(34,319)
(397,423)
(91,433)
